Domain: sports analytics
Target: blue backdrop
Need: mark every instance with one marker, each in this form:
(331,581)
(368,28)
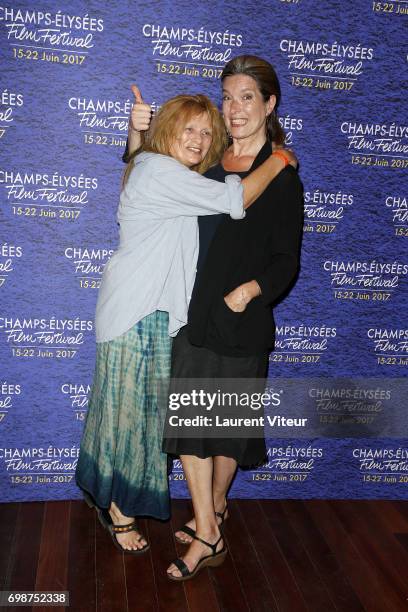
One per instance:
(342,332)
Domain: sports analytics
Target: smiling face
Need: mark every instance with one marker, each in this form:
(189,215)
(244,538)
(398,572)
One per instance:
(244,108)
(193,142)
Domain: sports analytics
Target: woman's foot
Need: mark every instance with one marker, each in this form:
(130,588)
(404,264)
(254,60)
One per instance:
(221,514)
(196,551)
(131,540)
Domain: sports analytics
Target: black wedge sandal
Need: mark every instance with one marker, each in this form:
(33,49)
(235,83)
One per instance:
(186,529)
(213,560)
(106,522)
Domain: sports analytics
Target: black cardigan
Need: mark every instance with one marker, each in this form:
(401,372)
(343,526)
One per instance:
(264,246)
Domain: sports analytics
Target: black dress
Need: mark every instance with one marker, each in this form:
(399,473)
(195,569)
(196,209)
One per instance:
(220,343)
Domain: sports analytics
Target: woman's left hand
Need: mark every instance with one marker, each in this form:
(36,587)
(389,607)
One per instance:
(238,299)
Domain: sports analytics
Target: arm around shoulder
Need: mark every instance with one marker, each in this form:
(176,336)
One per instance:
(184,192)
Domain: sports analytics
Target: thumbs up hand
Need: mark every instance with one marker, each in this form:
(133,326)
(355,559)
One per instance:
(140,114)
(137,94)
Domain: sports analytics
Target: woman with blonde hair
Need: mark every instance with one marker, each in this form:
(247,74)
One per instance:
(243,271)
(143,302)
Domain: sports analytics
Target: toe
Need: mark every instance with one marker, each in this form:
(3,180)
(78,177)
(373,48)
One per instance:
(183,537)
(173,571)
(143,541)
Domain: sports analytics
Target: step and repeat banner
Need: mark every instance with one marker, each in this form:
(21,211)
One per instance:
(341,356)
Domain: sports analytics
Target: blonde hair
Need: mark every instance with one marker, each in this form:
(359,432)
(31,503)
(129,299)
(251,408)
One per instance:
(171,119)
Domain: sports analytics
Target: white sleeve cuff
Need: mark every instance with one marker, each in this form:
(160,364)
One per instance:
(236,196)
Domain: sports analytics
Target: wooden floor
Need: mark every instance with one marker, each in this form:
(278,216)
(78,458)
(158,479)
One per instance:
(284,555)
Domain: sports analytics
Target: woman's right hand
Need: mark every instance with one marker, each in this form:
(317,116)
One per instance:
(140,114)
(238,299)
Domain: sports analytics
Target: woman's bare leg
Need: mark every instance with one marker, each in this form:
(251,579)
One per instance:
(199,475)
(223,473)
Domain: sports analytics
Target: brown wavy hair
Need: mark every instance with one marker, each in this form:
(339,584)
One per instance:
(266,78)
(170,121)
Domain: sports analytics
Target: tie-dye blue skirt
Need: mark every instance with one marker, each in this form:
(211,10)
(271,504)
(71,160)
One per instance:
(120,458)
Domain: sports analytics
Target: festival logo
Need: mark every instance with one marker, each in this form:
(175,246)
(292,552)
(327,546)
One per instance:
(9,253)
(185,51)
(376,145)
(399,212)
(60,38)
(30,465)
(78,395)
(320,65)
(290,464)
(364,280)
(325,210)
(39,195)
(9,392)
(88,265)
(381,465)
(102,122)
(291,125)
(10,103)
(301,344)
(44,338)
(346,404)
(389,345)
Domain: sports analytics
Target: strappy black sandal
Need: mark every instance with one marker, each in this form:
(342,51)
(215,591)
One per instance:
(221,515)
(213,560)
(106,522)
(186,529)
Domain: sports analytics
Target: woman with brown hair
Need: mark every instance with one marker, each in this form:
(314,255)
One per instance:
(243,269)
(142,303)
